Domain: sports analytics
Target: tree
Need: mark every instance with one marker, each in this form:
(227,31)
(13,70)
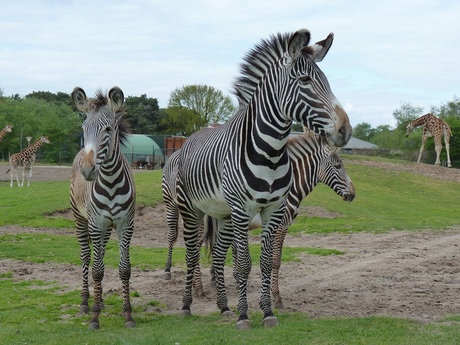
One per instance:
(143,114)
(181,121)
(209,103)
(363,131)
(405,114)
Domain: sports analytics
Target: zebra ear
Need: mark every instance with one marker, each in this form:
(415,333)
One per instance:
(297,43)
(117,97)
(79,99)
(318,51)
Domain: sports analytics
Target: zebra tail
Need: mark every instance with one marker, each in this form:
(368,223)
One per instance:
(210,226)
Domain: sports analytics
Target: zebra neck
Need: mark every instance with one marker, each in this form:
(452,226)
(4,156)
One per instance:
(113,164)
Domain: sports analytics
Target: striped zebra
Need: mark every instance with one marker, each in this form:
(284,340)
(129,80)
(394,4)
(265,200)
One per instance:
(313,161)
(102,194)
(242,167)
(172,215)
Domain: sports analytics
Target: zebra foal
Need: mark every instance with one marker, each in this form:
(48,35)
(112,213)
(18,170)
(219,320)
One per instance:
(242,167)
(102,194)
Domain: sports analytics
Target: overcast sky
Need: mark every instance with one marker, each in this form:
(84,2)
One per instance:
(385,53)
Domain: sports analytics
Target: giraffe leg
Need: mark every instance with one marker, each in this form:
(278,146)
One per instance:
(23,175)
(421,149)
(446,141)
(438,148)
(30,176)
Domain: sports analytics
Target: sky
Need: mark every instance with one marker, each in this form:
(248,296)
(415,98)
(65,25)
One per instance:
(385,53)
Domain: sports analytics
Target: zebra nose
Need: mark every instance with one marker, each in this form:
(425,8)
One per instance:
(88,172)
(344,130)
(88,166)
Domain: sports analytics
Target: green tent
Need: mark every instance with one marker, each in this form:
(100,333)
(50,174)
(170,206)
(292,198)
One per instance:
(142,150)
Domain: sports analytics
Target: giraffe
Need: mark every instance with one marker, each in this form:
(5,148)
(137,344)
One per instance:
(26,159)
(5,130)
(435,127)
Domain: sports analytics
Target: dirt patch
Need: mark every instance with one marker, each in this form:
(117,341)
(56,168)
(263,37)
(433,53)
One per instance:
(414,275)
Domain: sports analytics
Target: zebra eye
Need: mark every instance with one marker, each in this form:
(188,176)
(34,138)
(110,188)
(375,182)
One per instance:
(305,79)
(338,166)
(108,129)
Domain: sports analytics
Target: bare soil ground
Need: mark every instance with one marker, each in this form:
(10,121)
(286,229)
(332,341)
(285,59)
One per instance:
(413,275)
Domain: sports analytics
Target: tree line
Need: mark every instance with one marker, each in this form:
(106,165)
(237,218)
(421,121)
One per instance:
(190,108)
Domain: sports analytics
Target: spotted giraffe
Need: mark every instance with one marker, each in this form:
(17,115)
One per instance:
(432,127)
(26,159)
(4,131)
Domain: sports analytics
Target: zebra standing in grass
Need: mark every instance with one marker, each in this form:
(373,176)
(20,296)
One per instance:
(102,194)
(242,168)
(313,161)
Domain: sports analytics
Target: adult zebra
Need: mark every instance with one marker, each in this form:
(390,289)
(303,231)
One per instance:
(312,160)
(102,194)
(242,168)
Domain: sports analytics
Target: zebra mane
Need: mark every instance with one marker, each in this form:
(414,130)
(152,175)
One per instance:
(124,129)
(309,136)
(256,63)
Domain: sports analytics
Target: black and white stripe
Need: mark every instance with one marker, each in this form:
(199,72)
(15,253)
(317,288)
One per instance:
(313,161)
(242,168)
(102,194)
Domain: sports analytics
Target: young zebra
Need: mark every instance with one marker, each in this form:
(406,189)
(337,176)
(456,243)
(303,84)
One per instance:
(102,194)
(313,161)
(242,167)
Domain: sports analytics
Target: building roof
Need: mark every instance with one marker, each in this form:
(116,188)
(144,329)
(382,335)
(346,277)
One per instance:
(359,144)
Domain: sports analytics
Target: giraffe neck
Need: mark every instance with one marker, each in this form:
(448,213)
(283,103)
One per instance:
(3,133)
(422,120)
(32,149)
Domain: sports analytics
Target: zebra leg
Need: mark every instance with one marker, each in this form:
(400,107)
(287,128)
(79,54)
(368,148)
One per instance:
(192,257)
(197,281)
(243,268)
(85,257)
(266,261)
(173,220)
(277,253)
(97,274)
(219,252)
(124,270)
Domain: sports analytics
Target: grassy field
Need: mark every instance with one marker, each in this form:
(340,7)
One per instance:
(38,312)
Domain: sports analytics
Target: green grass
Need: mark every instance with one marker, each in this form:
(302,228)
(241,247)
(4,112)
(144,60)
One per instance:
(34,312)
(40,248)
(27,206)
(385,200)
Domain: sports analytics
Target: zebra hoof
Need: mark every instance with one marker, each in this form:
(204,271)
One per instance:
(279,305)
(93,326)
(243,324)
(270,321)
(185,313)
(130,324)
(84,309)
(167,276)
